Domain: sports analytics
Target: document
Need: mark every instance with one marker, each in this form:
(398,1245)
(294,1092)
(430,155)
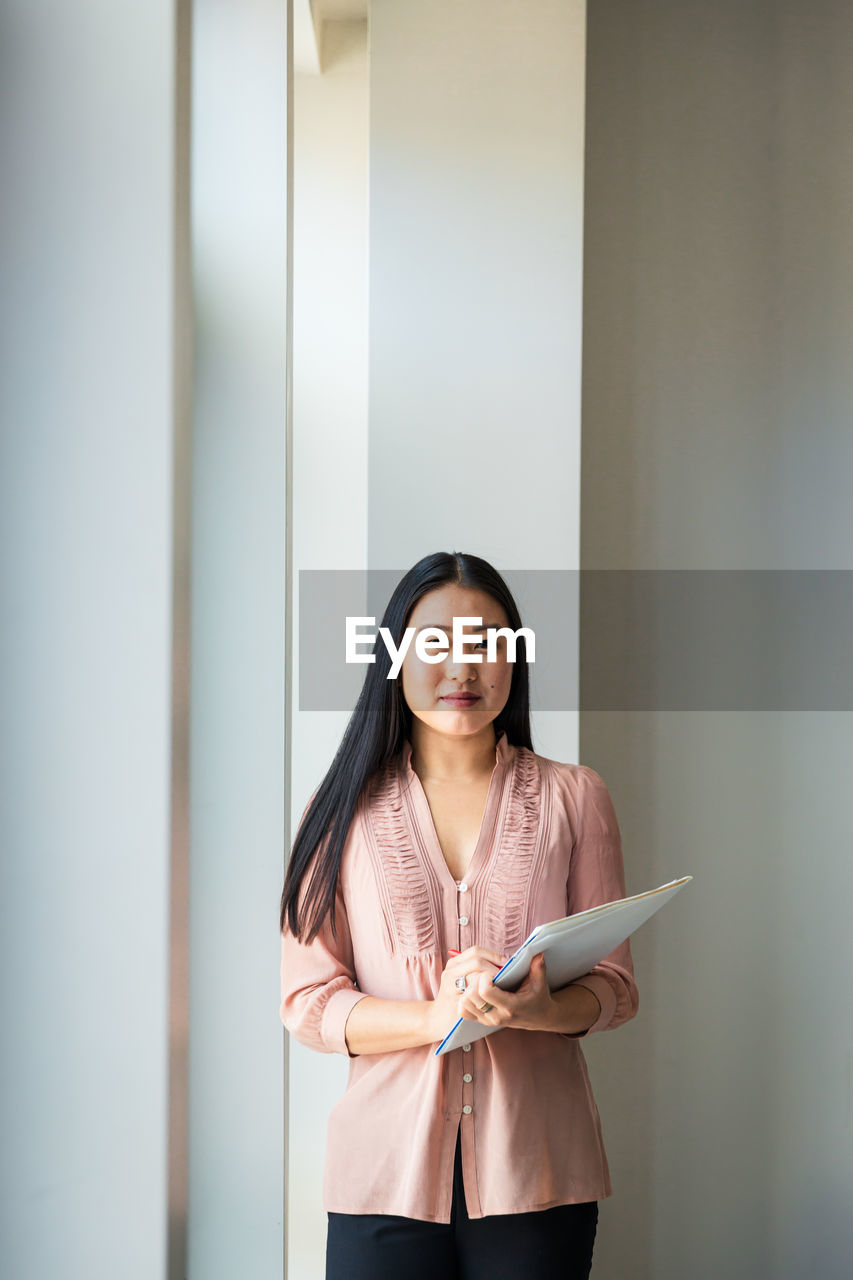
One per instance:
(572,946)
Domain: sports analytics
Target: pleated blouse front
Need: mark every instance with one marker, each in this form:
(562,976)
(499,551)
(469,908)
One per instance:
(549,846)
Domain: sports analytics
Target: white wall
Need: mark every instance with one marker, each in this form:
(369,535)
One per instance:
(141,495)
(95,443)
(240,642)
(330,495)
(476,238)
(717,434)
(490,258)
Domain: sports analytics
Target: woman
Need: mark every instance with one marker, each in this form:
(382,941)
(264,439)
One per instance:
(435,843)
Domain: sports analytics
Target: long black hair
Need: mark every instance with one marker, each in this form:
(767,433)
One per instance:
(377,732)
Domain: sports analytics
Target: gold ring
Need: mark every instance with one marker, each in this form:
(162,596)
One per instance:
(486,1007)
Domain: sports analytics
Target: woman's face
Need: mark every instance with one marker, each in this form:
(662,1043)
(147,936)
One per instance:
(426,686)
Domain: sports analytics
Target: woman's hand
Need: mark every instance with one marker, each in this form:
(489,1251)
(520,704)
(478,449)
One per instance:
(475,962)
(527,1008)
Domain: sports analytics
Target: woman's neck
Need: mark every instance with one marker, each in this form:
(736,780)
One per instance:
(442,757)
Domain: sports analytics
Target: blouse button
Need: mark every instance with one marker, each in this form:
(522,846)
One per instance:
(467,1077)
(466,1048)
(463,888)
(463,919)
(467,1109)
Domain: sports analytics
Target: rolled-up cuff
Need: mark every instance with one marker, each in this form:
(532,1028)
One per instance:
(335,1016)
(606,997)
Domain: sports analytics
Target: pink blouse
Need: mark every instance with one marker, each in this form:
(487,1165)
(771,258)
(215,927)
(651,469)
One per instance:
(549,846)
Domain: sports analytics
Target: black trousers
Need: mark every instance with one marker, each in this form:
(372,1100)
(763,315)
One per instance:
(504,1246)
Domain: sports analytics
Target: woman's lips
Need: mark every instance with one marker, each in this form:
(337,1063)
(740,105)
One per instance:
(460,700)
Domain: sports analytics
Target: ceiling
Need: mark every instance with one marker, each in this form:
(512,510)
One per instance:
(339,10)
(309,17)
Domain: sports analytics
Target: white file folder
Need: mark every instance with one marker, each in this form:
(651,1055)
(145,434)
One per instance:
(572,946)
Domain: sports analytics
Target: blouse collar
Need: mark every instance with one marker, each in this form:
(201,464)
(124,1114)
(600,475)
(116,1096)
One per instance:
(504,751)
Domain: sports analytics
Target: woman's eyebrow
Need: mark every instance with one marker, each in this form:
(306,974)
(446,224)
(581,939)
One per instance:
(448,626)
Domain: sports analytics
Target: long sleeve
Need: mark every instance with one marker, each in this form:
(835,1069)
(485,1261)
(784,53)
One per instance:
(391,1136)
(318,985)
(596,876)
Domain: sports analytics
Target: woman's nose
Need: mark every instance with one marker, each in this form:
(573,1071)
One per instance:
(462,670)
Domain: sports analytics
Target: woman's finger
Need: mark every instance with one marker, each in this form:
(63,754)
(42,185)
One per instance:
(479,953)
(471,1007)
(481,1003)
(470,970)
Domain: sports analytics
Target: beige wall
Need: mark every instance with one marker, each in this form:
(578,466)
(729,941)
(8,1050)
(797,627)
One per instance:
(717,434)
